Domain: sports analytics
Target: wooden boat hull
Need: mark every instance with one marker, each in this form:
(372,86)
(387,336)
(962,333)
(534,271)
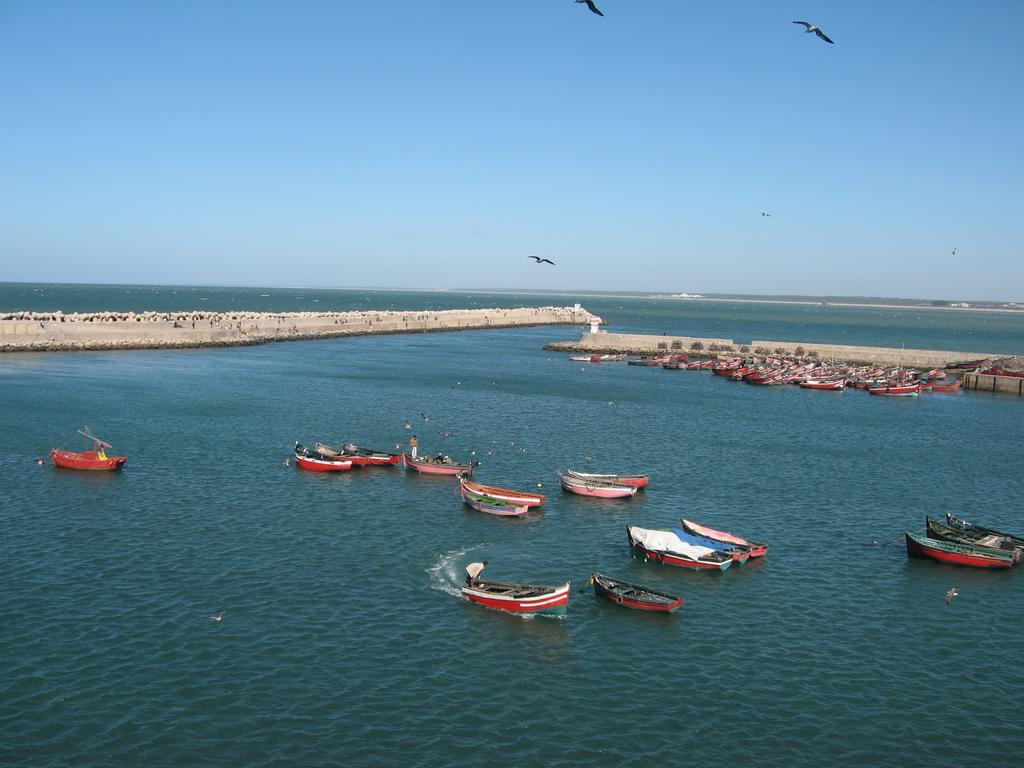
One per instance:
(635,596)
(963,525)
(86,460)
(493,506)
(756,550)
(954,387)
(596,490)
(826,386)
(311,464)
(678,560)
(520,598)
(431,468)
(637,481)
(505,494)
(956,554)
(910,390)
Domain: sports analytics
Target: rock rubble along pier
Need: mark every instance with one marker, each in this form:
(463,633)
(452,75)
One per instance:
(630,343)
(57,331)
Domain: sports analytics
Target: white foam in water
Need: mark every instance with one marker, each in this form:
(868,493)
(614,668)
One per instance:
(444,574)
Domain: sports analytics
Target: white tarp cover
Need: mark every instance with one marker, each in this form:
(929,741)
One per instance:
(666,541)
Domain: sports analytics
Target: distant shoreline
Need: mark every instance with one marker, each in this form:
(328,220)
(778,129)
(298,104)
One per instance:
(809,302)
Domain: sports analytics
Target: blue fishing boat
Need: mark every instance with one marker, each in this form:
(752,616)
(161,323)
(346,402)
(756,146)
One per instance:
(738,554)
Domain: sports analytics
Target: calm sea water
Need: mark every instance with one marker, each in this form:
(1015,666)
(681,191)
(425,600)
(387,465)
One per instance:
(344,641)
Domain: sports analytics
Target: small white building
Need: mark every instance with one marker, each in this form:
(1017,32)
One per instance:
(595,322)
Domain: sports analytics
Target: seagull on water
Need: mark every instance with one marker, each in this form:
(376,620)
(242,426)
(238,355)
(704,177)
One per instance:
(408,425)
(951,594)
(287,462)
(218,616)
(814,29)
(539,260)
(591,6)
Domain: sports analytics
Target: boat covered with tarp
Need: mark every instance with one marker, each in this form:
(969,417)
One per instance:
(756,549)
(667,548)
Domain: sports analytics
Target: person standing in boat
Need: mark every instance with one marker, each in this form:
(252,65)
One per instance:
(473,571)
(414,446)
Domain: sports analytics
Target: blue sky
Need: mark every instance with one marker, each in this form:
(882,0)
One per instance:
(438,144)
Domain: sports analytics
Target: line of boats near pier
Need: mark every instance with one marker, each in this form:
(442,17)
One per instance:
(887,380)
(689,545)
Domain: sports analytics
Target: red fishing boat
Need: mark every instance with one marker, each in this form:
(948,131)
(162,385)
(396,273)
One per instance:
(95,460)
(314,461)
(838,385)
(437,465)
(955,386)
(634,596)
(504,494)
(519,598)
(637,481)
(360,457)
(897,390)
(953,553)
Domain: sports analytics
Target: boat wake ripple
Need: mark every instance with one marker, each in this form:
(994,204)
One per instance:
(444,573)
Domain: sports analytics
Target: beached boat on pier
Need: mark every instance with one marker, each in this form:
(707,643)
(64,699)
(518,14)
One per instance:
(667,548)
(314,461)
(634,596)
(953,553)
(437,465)
(598,490)
(94,460)
(637,481)
(504,494)
(756,550)
(519,598)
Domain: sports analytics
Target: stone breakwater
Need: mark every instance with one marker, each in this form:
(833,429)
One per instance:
(639,344)
(56,331)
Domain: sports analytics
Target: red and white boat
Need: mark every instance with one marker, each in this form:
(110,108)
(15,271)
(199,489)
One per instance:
(492,506)
(360,457)
(95,460)
(756,550)
(598,490)
(314,461)
(838,385)
(897,390)
(954,553)
(504,494)
(520,598)
(430,465)
(637,481)
(667,548)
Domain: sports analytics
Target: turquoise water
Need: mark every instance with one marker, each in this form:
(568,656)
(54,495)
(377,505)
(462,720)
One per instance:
(344,641)
(914,328)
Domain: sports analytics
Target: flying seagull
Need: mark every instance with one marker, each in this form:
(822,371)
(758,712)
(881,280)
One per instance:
(766,214)
(591,6)
(218,617)
(951,594)
(954,251)
(539,260)
(814,29)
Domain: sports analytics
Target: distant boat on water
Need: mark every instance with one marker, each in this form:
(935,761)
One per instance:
(95,460)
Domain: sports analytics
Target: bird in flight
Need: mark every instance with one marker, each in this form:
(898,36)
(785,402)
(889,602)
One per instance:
(591,6)
(951,594)
(766,214)
(954,251)
(218,616)
(539,260)
(424,417)
(814,29)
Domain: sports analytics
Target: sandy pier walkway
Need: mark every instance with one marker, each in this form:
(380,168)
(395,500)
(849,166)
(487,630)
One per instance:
(56,331)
